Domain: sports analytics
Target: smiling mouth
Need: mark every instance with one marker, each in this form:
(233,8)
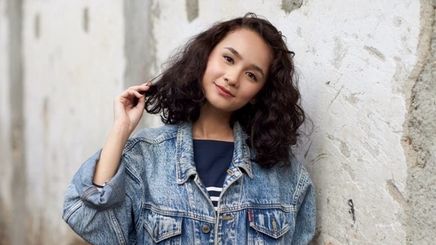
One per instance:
(224,91)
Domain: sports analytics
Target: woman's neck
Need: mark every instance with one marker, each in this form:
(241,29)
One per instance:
(212,124)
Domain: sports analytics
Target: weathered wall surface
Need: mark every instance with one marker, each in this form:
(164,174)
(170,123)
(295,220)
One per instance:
(420,138)
(74,66)
(366,75)
(5,157)
(13,186)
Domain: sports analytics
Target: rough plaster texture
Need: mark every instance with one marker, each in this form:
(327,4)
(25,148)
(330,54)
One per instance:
(420,140)
(366,75)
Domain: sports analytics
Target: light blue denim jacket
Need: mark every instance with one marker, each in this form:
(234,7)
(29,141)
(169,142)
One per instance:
(156,197)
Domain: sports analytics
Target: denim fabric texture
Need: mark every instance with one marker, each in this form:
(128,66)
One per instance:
(156,197)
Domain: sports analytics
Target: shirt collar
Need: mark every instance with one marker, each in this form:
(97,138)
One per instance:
(185,166)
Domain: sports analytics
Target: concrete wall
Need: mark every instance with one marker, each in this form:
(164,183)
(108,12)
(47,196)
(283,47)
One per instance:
(366,75)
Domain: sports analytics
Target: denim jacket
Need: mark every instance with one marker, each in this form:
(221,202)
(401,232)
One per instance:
(156,197)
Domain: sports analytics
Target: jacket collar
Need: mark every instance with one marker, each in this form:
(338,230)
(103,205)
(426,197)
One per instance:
(185,166)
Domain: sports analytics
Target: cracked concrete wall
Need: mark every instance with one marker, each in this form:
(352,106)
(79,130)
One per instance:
(366,76)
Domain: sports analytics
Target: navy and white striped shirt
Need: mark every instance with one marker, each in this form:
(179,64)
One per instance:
(212,159)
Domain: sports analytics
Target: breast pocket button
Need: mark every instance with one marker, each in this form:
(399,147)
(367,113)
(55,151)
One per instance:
(227,217)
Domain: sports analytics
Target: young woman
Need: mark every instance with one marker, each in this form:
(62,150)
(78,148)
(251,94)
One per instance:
(221,170)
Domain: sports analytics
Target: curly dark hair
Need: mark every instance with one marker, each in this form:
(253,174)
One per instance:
(271,123)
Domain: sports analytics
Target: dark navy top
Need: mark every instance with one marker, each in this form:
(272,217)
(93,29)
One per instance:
(212,159)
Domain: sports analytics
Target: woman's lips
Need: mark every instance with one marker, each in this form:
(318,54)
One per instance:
(223,91)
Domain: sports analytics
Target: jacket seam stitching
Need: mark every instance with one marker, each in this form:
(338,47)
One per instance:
(133,141)
(116,227)
(72,209)
(301,185)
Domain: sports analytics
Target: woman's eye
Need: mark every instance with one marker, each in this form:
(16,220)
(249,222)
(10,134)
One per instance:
(228,59)
(252,76)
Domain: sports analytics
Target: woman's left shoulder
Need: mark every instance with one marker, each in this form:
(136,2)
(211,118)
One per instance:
(299,168)
(301,178)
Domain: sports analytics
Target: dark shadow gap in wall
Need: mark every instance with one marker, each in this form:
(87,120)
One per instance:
(139,43)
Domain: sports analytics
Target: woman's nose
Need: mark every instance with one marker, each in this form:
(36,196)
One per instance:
(228,81)
(231,78)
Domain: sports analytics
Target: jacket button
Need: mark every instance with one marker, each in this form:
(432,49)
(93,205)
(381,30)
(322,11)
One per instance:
(205,229)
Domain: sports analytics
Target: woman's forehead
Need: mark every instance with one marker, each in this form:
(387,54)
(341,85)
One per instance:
(249,45)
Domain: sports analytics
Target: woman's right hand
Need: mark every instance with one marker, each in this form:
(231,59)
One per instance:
(128,109)
(129,106)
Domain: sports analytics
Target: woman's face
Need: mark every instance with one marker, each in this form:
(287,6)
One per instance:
(236,70)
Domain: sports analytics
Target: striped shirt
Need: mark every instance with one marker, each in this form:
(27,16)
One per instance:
(212,158)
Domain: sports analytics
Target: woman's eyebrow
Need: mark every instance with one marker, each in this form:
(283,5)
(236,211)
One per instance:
(255,67)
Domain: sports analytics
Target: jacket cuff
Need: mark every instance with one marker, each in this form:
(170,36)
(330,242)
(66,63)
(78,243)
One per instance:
(100,198)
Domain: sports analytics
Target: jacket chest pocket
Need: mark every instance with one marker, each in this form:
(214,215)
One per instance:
(162,229)
(270,226)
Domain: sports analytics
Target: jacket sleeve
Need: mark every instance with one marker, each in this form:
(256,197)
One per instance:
(100,216)
(305,223)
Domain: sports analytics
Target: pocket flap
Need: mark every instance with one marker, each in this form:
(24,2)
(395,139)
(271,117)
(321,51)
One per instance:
(274,223)
(161,227)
